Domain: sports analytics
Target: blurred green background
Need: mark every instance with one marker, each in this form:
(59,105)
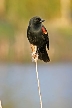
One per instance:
(18,85)
(14,18)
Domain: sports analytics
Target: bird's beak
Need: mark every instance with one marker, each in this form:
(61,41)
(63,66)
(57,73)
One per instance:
(42,20)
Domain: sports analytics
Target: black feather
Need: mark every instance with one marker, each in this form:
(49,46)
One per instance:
(38,35)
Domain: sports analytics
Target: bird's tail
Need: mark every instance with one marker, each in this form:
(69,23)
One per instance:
(43,54)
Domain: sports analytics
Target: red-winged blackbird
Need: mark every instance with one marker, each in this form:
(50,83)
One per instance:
(38,36)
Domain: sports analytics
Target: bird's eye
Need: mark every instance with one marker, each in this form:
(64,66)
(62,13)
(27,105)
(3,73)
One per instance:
(39,19)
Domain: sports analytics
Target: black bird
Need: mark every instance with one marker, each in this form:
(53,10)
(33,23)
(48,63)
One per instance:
(38,36)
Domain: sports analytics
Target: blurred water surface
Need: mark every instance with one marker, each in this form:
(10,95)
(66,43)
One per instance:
(18,85)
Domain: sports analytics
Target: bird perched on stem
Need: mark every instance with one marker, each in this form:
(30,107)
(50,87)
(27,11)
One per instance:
(38,38)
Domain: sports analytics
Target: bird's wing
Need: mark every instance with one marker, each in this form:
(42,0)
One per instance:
(45,34)
(42,54)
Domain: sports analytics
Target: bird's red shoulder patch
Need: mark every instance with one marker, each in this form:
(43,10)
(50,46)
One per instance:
(44,30)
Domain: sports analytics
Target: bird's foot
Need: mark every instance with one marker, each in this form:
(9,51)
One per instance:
(34,57)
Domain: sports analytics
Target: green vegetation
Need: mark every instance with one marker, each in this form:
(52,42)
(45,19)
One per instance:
(67,32)
(24,9)
(64,44)
(13,24)
(7,31)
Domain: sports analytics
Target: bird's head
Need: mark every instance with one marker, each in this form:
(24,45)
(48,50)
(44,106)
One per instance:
(36,20)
